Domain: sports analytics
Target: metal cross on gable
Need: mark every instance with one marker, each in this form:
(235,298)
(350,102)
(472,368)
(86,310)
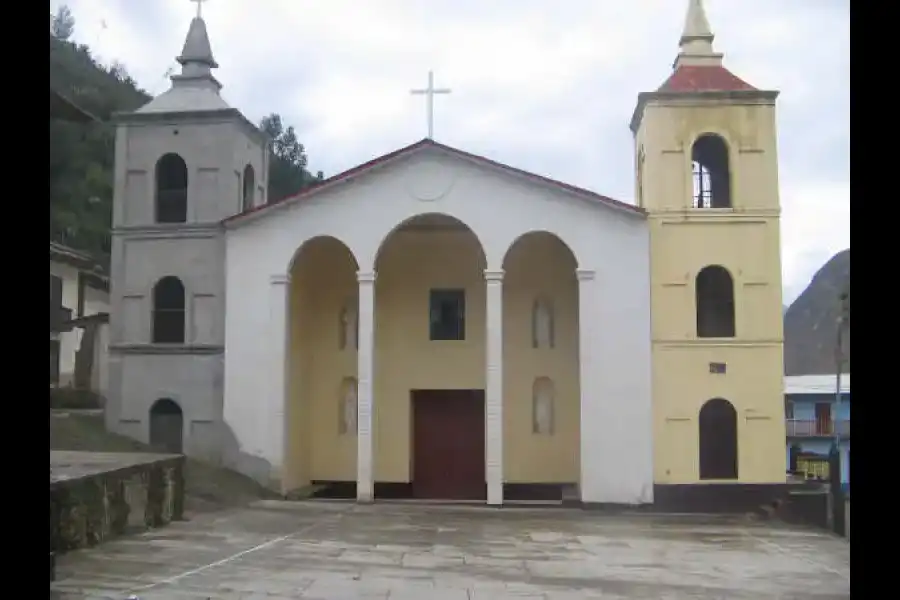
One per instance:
(199,7)
(429,93)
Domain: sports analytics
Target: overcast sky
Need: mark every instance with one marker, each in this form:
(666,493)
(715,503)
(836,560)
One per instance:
(544,85)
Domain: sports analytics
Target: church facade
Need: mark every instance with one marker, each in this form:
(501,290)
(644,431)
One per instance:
(438,325)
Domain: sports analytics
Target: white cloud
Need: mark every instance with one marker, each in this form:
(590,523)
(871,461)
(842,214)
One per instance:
(545,86)
(815,226)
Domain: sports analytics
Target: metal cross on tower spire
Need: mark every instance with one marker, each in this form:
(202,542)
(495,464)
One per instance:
(199,7)
(429,93)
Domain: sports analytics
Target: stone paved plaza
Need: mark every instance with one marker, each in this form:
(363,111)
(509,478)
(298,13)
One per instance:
(331,550)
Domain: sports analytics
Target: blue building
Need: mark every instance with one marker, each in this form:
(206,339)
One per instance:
(812,421)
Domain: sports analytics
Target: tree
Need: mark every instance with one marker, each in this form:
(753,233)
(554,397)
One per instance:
(288,160)
(62,24)
(82,154)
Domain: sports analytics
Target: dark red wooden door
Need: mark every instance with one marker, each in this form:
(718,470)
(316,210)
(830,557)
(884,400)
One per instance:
(448,444)
(823,418)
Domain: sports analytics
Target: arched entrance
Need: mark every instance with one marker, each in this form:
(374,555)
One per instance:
(718,440)
(430,357)
(321,360)
(542,405)
(166,426)
(715,303)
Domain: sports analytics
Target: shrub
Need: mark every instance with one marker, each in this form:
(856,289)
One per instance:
(71,398)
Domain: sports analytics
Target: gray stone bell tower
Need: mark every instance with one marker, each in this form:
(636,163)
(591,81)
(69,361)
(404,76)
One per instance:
(183,162)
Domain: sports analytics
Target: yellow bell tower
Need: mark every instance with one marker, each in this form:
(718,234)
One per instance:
(707,175)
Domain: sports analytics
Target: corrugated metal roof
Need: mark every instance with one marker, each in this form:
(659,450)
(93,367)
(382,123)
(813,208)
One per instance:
(815,384)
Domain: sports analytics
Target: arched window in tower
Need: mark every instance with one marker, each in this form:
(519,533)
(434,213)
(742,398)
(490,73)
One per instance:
(347,407)
(249,187)
(348,327)
(168,311)
(640,177)
(718,440)
(171,189)
(712,174)
(542,324)
(543,397)
(715,303)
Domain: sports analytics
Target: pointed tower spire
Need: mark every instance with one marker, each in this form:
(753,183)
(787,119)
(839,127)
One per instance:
(195,88)
(696,40)
(196,58)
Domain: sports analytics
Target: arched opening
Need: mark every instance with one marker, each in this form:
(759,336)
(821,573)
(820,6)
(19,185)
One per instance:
(171,189)
(321,364)
(541,338)
(542,323)
(348,326)
(430,357)
(718,440)
(715,303)
(168,311)
(712,173)
(348,408)
(543,397)
(166,426)
(249,180)
(640,177)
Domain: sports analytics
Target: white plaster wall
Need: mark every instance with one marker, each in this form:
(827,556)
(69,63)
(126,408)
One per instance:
(96,301)
(499,207)
(617,411)
(100,374)
(68,341)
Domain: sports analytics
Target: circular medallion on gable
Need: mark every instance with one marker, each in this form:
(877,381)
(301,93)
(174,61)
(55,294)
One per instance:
(430,181)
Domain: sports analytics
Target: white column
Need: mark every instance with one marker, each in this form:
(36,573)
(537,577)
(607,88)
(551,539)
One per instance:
(279,337)
(586,371)
(494,391)
(365,485)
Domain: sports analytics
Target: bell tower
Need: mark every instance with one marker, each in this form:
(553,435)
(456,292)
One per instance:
(707,175)
(184,161)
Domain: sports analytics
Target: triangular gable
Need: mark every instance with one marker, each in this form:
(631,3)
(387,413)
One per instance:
(364,168)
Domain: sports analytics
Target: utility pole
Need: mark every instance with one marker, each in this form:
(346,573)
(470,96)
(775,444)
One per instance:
(842,320)
(838,518)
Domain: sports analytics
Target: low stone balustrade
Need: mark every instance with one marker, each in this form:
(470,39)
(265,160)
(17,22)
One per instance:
(95,496)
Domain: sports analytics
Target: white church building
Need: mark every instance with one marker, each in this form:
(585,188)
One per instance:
(431,323)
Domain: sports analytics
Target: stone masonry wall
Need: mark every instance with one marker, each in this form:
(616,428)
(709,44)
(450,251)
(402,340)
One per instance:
(87,510)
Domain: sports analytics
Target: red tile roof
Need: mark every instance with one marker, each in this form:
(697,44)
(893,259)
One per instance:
(407,150)
(695,78)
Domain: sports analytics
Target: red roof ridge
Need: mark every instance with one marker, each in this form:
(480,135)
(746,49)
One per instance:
(427,142)
(704,78)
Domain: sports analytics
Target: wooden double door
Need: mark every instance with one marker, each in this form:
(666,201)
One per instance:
(448,459)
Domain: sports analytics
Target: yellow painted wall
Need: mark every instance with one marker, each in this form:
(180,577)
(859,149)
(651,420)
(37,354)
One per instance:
(323,279)
(539,265)
(745,240)
(412,263)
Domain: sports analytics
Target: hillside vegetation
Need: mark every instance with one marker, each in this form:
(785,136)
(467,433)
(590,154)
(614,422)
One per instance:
(81,155)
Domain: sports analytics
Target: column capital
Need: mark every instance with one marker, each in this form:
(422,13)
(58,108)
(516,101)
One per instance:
(365,276)
(493,274)
(585,274)
(280,279)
